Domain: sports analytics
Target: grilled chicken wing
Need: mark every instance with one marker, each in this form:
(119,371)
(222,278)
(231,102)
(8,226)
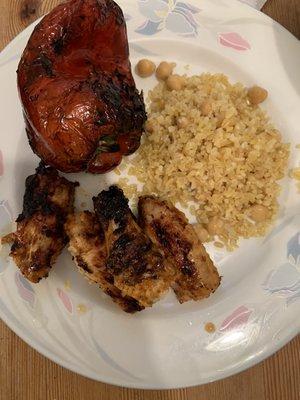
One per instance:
(40,235)
(87,245)
(137,265)
(197,277)
(81,107)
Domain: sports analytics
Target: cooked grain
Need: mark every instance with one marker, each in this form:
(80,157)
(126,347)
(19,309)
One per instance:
(224,162)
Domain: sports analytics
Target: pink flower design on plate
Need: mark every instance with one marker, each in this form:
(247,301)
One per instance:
(65,299)
(235,331)
(238,318)
(234,40)
(25,289)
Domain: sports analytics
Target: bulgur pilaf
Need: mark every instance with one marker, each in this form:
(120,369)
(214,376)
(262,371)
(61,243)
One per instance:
(208,148)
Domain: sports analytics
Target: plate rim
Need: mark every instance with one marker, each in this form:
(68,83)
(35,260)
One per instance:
(223,375)
(265,353)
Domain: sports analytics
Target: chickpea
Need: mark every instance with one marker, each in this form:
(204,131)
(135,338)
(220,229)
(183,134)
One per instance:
(215,226)
(164,70)
(206,108)
(174,82)
(145,68)
(259,213)
(202,233)
(257,95)
(182,122)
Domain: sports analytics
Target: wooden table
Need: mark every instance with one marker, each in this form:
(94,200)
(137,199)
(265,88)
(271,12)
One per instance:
(25,374)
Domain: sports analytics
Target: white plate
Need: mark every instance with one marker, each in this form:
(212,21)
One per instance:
(256,309)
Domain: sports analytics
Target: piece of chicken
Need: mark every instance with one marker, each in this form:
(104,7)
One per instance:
(137,265)
(81,107)
(88,247)
(197,277)
(40,235)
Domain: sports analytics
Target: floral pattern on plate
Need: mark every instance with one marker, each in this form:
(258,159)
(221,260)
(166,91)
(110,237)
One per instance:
(234,40)
(242,327)
(284,281)
(236,319)
(175,16)
(65,300)
(25,289)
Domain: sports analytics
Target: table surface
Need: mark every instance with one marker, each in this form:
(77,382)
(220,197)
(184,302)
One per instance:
(25,374)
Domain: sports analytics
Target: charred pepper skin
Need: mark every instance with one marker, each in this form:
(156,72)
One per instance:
(81,106)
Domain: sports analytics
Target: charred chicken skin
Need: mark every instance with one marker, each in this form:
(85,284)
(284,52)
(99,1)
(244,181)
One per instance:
(196,275)
(81,107)
(88,247)
(136,264)
(40,235)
